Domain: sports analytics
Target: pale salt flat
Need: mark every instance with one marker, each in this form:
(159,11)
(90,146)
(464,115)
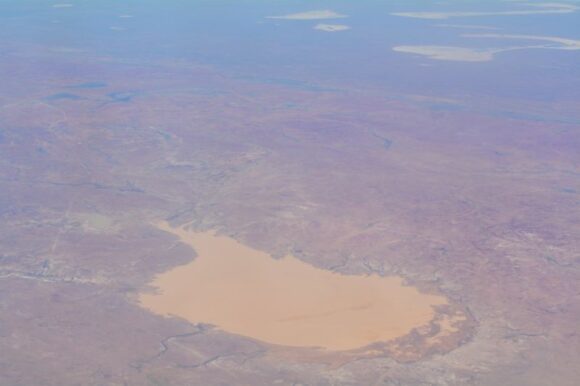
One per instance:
(544,9)
(564,43)
(467,54)
(449,53)
(310,15)
(331,27)
(467,26)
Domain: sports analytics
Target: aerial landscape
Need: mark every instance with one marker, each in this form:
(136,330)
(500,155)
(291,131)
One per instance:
(290,192)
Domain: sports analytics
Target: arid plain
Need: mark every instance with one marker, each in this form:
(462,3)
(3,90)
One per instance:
(348,182)
(120,179)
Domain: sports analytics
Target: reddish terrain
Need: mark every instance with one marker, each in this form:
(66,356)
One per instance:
(482,209)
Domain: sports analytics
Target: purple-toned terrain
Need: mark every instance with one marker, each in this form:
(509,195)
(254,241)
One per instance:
(433,143)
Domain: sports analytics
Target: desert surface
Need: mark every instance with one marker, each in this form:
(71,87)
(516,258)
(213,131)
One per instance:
(194,193)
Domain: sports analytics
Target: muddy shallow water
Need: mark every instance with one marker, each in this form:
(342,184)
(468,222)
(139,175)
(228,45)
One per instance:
(287,302)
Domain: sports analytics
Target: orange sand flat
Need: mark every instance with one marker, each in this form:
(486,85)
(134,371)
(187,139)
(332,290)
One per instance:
(286,302)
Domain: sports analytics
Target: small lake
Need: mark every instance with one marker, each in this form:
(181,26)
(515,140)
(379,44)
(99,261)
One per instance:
(287,302)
